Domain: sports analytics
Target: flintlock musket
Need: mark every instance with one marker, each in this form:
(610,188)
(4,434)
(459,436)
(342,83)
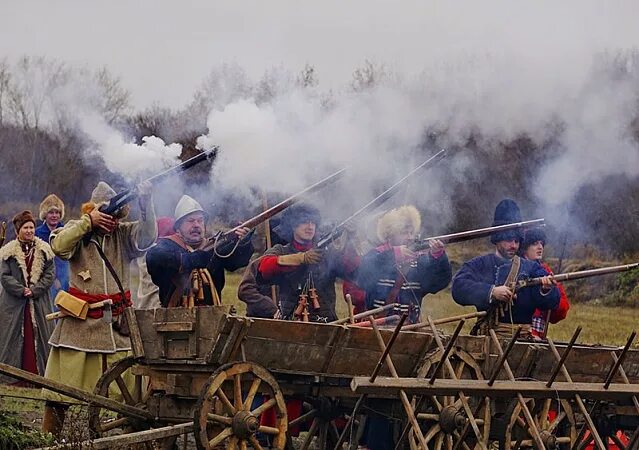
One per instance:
(420,244)
(224,244)
(577,275)
(328,238)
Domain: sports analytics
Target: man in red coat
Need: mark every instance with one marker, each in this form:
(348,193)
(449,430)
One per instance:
(533,248)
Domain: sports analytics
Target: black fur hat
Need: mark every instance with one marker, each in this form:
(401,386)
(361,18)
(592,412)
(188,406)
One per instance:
(295,215)
(507,211)
(531,236)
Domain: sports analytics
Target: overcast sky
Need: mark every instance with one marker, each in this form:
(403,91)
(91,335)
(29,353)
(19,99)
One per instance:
(163,49)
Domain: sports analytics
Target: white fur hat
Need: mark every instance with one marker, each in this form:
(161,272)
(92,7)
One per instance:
(396,220)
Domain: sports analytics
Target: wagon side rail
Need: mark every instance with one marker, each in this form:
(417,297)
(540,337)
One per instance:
(77,394)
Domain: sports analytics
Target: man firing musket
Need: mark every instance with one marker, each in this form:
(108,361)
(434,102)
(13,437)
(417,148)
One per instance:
(487,282)
(188,267)
(305,270)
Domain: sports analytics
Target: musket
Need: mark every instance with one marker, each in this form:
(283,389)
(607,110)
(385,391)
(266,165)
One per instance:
(120,200)
(3,232)
(328,238)
(420,244)
(225,243)
(578,275)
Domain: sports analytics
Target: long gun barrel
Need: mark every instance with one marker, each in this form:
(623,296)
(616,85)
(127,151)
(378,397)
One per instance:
(374,203)
(120,200)
(225,242)
(578,275)
(462,236)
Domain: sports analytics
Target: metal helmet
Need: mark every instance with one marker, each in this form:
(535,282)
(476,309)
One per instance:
(186,206)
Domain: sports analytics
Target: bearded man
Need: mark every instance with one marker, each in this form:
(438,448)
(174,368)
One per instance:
(486,281)
(186,274)
(99,248)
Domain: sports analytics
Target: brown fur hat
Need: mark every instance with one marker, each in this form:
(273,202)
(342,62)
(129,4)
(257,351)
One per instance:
(396,220)
(50,202)
(21,218)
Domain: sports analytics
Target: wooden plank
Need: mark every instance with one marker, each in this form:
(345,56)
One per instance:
(171,327)
(136,339)
(123,440)
(75,393)
(333,345)
(502,388)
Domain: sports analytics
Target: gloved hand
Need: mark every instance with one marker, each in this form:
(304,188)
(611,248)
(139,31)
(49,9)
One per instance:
(312,256)
(198,259)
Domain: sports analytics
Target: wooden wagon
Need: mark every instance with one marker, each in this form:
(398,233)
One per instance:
(223,371)
(218,375)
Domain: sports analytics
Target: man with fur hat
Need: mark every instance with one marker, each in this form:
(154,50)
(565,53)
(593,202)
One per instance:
(305,276)
(485,281)
(532,248)
(186,274)
(392,273)
(51,215)
(99,248)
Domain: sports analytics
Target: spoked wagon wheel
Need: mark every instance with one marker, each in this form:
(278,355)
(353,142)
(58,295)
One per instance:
(446,418)
(111,382)
(554,419)
(324,414)
(223,417)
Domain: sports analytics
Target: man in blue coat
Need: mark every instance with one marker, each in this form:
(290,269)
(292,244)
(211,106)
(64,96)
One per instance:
(484,281)
(51,214)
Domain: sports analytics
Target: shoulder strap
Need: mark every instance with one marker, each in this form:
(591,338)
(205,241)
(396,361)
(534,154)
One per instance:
(511,279)
(109,266)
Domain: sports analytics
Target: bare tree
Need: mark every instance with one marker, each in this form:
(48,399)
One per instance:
(31,88)
(307,78)
(113,100)
(5,78)
(370,75)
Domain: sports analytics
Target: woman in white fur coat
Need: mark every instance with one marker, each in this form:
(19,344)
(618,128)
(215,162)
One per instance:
(27,272)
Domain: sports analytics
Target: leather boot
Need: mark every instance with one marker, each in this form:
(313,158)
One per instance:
(53,420)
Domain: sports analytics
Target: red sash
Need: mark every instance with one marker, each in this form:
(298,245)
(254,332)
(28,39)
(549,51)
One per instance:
(119,304)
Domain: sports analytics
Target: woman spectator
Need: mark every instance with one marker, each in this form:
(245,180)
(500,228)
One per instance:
(26,274)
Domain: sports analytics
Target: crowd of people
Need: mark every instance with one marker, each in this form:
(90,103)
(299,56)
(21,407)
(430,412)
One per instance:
(89,259)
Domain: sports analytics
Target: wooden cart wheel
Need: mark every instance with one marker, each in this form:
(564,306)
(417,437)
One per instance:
(223,417)
(111,382)
(324,413)
(554,419)
(445,419)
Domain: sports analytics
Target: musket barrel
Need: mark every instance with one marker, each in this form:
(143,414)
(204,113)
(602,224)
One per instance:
(224,243)
(185,165)
(579,275)
(281,206)
(374,203)
(481,232)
